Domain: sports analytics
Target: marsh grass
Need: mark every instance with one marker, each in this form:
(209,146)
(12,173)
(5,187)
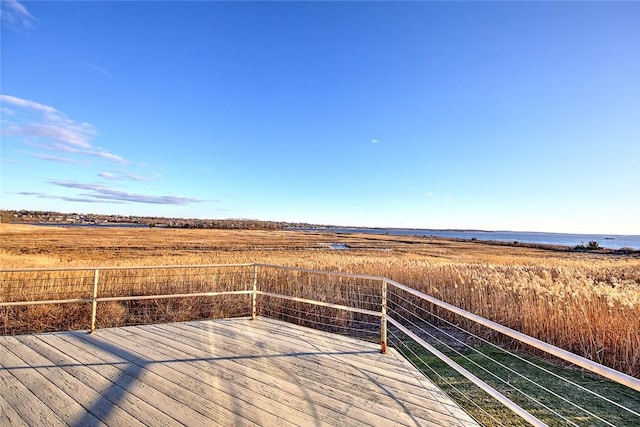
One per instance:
(586,303)
(44,318)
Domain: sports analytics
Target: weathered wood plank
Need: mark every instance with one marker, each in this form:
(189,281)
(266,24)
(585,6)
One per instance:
(135,379)
(113,381)
(324,343)
(222,372)
(34,397)
(8,415)
(169,371)
(174,386)
(419,397)
(69,370)
(69,400)
(357,392)
(296,331)
(429,402)
(375,363)
(30,408)
(324,360)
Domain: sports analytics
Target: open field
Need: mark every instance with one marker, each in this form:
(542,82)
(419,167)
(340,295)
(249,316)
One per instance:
(587,303)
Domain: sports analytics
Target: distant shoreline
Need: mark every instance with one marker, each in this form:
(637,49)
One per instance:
(565,241)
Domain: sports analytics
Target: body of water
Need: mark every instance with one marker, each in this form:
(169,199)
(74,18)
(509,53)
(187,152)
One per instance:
(610,241)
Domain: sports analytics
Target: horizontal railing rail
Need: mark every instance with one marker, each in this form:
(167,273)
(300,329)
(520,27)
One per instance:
(322,272)
(322,304)
(116,268)
(43,302)
(590,365)
(166,296)
(290,293)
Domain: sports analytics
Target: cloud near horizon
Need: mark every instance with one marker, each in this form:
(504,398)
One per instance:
(45,127)
(66,199)
(103,193)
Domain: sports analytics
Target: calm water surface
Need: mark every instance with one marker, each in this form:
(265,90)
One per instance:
(611,241)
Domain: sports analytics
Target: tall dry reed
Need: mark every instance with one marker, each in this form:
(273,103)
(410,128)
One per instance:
(587,304)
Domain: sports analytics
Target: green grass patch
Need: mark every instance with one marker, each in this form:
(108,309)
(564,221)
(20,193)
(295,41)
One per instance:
(546,406)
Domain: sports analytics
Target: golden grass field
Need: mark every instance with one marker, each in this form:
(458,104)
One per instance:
(587,303)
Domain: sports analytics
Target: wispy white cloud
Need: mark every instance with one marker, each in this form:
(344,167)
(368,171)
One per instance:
(92,151)
(58,159)
(67,133)
(65,198)
(101,192)
(375,141)
(97,68)
(430,194)
(47,128)
(13,162)
(106,155)
(44,121)
(124,176)
(25,103)
(54,146)
(15,15)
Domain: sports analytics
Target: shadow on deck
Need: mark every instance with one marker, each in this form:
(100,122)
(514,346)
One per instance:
(215,372)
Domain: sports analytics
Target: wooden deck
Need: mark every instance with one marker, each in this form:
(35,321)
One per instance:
(231,372)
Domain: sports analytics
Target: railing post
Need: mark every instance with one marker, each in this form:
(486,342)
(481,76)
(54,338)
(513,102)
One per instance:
(255,292)
(94,299)
(383,319)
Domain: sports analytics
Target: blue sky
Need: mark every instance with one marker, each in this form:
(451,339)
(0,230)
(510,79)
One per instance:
(484,115)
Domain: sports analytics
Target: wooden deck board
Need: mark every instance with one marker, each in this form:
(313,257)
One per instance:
(221,381)
(347,370)
(16,390)
(152,399)
(9,416)
(120,392)
(216,372)
(90,386)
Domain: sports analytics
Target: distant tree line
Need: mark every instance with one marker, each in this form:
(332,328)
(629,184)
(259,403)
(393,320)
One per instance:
(51,217)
